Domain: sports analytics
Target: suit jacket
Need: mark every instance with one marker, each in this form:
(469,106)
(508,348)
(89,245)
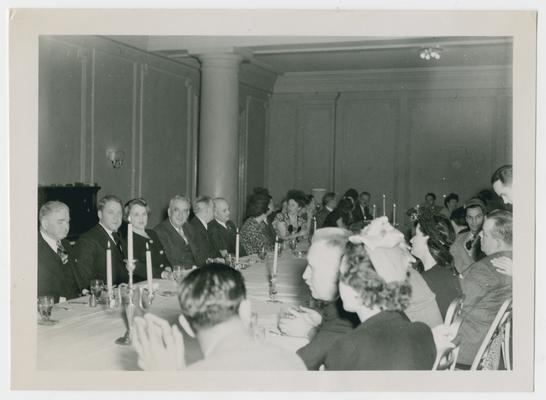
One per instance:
(386,341)
(157,253)
(200,243)
(55,278)
(484,291)
(91,258)
(224,239)
(336,323)
(358,215)
(462,257)
(322,213)
(177,250)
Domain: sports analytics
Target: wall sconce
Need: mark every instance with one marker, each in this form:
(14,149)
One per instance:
(115,157)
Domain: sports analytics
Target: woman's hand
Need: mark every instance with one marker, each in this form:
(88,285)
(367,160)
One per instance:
(503,265)
(159,346)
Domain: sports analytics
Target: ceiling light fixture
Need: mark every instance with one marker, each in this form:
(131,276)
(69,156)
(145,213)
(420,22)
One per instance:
(430,53)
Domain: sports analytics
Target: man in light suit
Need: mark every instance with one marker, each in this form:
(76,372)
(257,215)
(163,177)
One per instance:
(173,233)
(485,288)
(200,243)
(56,275)
(92,245)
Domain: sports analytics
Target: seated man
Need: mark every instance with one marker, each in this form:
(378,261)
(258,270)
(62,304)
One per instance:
(321,275)
(466,249)
(485,288)
(173,233)
(222,230)
(329,203)
(216,311)
(56,275)
(200,243)
(364,205)
(92,245)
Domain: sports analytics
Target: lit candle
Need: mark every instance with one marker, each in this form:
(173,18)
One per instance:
(394,214)
(237,246)
(149,274)
(130,252)
(275,255)
(109,270)
(384,210)
(373,211)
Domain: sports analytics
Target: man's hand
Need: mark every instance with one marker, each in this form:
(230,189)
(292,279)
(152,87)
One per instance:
(503,265)
(159,346)
(299,322)
(443,337)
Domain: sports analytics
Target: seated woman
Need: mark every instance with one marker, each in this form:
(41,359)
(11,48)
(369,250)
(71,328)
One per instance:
(254,236)
(292,223)
(433,238)
(136,212)
(385,339)
(342,216)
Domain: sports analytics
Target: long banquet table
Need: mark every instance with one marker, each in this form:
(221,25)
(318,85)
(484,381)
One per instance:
(84,337)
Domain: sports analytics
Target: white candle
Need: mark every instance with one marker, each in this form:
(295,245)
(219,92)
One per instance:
(237,246)
(109,270)
(384,211)
(275,255)
(130,252)
(394,214)
(373,211)
(314,224)
(149,274)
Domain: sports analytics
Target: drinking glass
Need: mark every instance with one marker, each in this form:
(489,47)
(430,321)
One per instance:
(96,286)
(128,309)
(178,274)
(292,244)
(262,253)
(45,305)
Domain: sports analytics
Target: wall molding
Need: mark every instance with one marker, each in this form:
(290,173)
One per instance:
(492,77)
(257,78)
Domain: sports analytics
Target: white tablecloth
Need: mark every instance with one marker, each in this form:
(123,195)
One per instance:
(84,337)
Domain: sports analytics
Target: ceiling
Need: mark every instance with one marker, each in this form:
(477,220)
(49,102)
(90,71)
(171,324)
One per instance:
(282,55)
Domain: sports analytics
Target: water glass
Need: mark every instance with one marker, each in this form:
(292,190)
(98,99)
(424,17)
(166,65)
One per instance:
(45,305)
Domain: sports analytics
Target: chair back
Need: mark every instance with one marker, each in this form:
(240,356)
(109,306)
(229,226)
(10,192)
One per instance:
(497,341)
(447,359)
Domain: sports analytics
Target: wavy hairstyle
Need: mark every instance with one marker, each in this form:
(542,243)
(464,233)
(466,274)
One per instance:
(441,236)
(358,272)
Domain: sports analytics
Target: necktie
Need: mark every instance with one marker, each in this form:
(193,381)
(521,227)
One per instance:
(181,232)
(62,252)
(117,241)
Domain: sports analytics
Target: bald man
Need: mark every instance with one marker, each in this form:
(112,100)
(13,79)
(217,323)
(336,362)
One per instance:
(222,230)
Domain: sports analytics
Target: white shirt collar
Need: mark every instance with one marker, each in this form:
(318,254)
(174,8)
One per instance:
(108,231)
(328,208)
(203,222)
(50,241)
(222,223)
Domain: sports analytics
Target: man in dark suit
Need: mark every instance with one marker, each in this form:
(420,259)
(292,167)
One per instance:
(92,245)
(173,233)
(55,265)
(201,246)
(485,288)
(222,230)
(364,205)
(329,202)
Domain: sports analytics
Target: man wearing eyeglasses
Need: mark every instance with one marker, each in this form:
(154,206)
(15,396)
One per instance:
(466,249)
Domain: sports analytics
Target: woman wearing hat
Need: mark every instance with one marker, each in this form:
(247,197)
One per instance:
(378,291)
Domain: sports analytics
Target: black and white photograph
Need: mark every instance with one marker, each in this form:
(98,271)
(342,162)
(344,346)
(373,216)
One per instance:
(316,203)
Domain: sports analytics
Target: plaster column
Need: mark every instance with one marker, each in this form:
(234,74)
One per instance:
(218,163)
